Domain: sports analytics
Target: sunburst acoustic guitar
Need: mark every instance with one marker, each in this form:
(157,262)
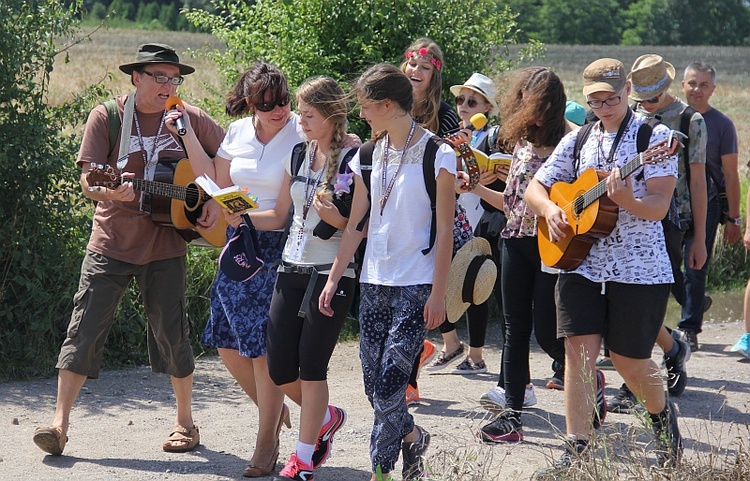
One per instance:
(176,200)
(591,214)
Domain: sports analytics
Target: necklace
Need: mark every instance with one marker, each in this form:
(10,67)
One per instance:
(385,192)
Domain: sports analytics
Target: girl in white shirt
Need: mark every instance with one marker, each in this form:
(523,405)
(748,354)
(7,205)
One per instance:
(402,289)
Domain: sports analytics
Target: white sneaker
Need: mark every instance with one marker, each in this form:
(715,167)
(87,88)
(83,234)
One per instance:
(529,398)
(494,399)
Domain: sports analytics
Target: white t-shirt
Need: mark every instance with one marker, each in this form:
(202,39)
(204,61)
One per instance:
(395,240)
(635,251)
(470,201)
(314,251)
(256,166)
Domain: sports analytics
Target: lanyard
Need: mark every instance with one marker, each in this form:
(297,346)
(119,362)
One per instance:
(310,192)
(148,157)
(385,192)
(618,138)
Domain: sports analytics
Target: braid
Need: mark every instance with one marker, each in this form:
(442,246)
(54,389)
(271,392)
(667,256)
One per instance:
(333,155)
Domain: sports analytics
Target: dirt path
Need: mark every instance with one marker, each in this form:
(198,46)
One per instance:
(122,418)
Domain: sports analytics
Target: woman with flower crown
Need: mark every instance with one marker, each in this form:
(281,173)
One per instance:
(423,65)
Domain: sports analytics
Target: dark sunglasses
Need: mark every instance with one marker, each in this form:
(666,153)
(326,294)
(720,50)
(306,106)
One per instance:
(269,106)
(472,102)
(652,100)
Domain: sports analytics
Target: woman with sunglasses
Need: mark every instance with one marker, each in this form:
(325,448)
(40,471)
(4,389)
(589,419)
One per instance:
(251,157)
(475,96)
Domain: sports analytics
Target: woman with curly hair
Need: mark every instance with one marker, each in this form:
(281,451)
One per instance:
(533,125)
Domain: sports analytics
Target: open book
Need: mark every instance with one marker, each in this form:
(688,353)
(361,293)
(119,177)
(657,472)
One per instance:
(493,162)
(232,197)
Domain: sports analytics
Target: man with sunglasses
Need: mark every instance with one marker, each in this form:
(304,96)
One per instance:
(619,292)
(126,244)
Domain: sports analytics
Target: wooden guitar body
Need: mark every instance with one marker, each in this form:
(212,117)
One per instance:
(594,222)
(176,200)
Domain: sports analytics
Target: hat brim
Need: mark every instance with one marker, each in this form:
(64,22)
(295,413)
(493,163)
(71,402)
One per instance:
(455,306)
(129,68)
(643,95)
(456,91)
(602,87)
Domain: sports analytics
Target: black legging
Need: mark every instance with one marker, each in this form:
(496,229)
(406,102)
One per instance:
(529,302)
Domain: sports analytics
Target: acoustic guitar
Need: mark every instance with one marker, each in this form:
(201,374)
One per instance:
(591,214)
(177,201)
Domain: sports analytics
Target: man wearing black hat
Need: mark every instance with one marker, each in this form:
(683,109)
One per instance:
(125,243)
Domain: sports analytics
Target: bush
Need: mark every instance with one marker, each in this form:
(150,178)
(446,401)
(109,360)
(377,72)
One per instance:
(44,220)
(342,38)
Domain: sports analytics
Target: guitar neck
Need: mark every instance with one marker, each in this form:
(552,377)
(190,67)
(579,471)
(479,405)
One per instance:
(600,189)
(164,189)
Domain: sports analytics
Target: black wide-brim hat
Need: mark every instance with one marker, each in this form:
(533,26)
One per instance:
(156,53)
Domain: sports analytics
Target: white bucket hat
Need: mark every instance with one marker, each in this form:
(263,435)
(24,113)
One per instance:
(482,85)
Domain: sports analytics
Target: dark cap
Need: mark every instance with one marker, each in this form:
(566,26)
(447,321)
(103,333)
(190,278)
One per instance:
(156,53)
(604,75)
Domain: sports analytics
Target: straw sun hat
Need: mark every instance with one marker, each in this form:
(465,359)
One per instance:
(471,279)
(650,76)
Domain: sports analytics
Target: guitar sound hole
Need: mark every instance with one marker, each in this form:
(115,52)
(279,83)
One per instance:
(192,197)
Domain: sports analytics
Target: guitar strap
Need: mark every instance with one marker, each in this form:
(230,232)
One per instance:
(125,128)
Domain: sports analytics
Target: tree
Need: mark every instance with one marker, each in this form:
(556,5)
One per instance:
(648,23)
(710,22)
(580,22)
(43,220)
(341,38)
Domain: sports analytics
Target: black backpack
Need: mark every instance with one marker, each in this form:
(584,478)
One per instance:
(428,172)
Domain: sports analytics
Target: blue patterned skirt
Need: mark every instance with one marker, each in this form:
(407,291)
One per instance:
(239,310)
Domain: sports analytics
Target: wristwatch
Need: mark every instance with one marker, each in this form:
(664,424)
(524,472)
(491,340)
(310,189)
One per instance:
(735,220)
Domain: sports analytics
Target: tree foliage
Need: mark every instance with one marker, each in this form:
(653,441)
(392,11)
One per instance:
(43,220)
(342,38)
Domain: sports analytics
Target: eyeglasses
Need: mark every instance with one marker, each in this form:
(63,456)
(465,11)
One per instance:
(652,100)
(471,102)
(597,104)
(162,79)
(269,106)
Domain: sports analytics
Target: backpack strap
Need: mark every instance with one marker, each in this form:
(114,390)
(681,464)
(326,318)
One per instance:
(685,118)
(430,184)
(581,137)
(365,165)
(115,122)
(298,158)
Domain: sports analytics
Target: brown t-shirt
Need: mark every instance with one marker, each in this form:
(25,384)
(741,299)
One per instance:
(120,230)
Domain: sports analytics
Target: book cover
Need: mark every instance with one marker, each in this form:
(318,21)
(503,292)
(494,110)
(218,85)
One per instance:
(232,197)
(493,162)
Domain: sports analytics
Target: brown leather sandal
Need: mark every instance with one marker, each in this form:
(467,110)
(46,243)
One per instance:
(188,438)
(253,471)
(50,440)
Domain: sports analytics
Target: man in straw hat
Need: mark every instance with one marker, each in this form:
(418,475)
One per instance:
(651,76)
(125,243)
(620,290)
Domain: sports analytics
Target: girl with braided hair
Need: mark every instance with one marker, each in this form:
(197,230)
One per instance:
(300,340)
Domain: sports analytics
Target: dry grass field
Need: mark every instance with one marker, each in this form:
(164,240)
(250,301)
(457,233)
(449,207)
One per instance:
(97,61)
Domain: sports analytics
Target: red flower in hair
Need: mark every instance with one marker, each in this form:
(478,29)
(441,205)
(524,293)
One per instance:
(423,52)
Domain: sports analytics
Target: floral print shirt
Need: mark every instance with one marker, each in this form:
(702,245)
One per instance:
(522,222)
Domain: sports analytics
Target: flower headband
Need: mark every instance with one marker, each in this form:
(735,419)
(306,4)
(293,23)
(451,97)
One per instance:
(423,52)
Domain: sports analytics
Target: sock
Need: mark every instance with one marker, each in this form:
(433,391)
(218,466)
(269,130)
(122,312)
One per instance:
(673,352)
(327,417)
(305,452)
